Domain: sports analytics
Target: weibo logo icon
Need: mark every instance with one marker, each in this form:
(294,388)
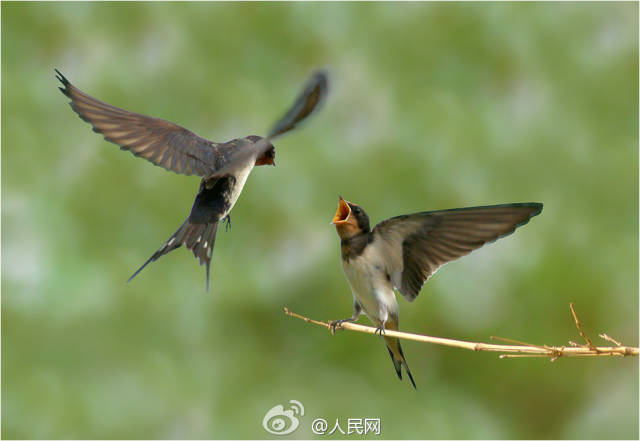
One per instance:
(279,421)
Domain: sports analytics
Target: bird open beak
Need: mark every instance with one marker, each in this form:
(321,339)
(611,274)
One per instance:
(342,213)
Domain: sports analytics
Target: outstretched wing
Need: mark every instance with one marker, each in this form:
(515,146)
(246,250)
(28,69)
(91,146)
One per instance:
(161,142)
(310,99)
(418,244)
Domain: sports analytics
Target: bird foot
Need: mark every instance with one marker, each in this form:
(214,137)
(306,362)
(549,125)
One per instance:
(380,331)
(338,323)
(226,221)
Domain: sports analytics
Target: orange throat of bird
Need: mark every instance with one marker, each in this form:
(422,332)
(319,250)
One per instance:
(346,224)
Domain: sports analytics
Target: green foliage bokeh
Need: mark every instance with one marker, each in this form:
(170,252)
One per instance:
(432,106)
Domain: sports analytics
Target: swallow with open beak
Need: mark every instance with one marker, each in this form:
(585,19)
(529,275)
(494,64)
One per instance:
(224,167)
(404,251)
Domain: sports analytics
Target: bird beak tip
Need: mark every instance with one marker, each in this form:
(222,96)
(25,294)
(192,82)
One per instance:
(342,213)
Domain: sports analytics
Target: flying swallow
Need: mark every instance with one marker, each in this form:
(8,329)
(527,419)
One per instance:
(403,252)
(224,167)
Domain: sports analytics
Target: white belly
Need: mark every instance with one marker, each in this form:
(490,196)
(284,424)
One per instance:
(369,285)
(241,179)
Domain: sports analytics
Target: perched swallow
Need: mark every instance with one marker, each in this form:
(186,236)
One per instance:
(404,251)
(224,167)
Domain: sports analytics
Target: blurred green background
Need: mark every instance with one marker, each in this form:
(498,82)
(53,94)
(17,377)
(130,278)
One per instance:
(432,106)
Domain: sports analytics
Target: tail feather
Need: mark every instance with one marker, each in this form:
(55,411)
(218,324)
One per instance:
(397,357)
(397,363)
(198,237)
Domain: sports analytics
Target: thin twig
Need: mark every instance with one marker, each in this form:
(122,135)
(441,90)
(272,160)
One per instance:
(517,342)
(579,326)
(611,339)
(518,349)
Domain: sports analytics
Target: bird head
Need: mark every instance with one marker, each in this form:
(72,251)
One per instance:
(269,155)
(350,219)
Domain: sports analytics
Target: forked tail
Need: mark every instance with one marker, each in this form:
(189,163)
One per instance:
(397,357)
(198,237)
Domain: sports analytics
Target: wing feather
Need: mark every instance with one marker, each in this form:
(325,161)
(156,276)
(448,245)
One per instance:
(418,244)
(309,100)
(161,142)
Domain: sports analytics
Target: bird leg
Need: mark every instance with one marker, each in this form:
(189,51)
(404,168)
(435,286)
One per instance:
(357,310)
(380,330)
(226,221)
(336,323)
